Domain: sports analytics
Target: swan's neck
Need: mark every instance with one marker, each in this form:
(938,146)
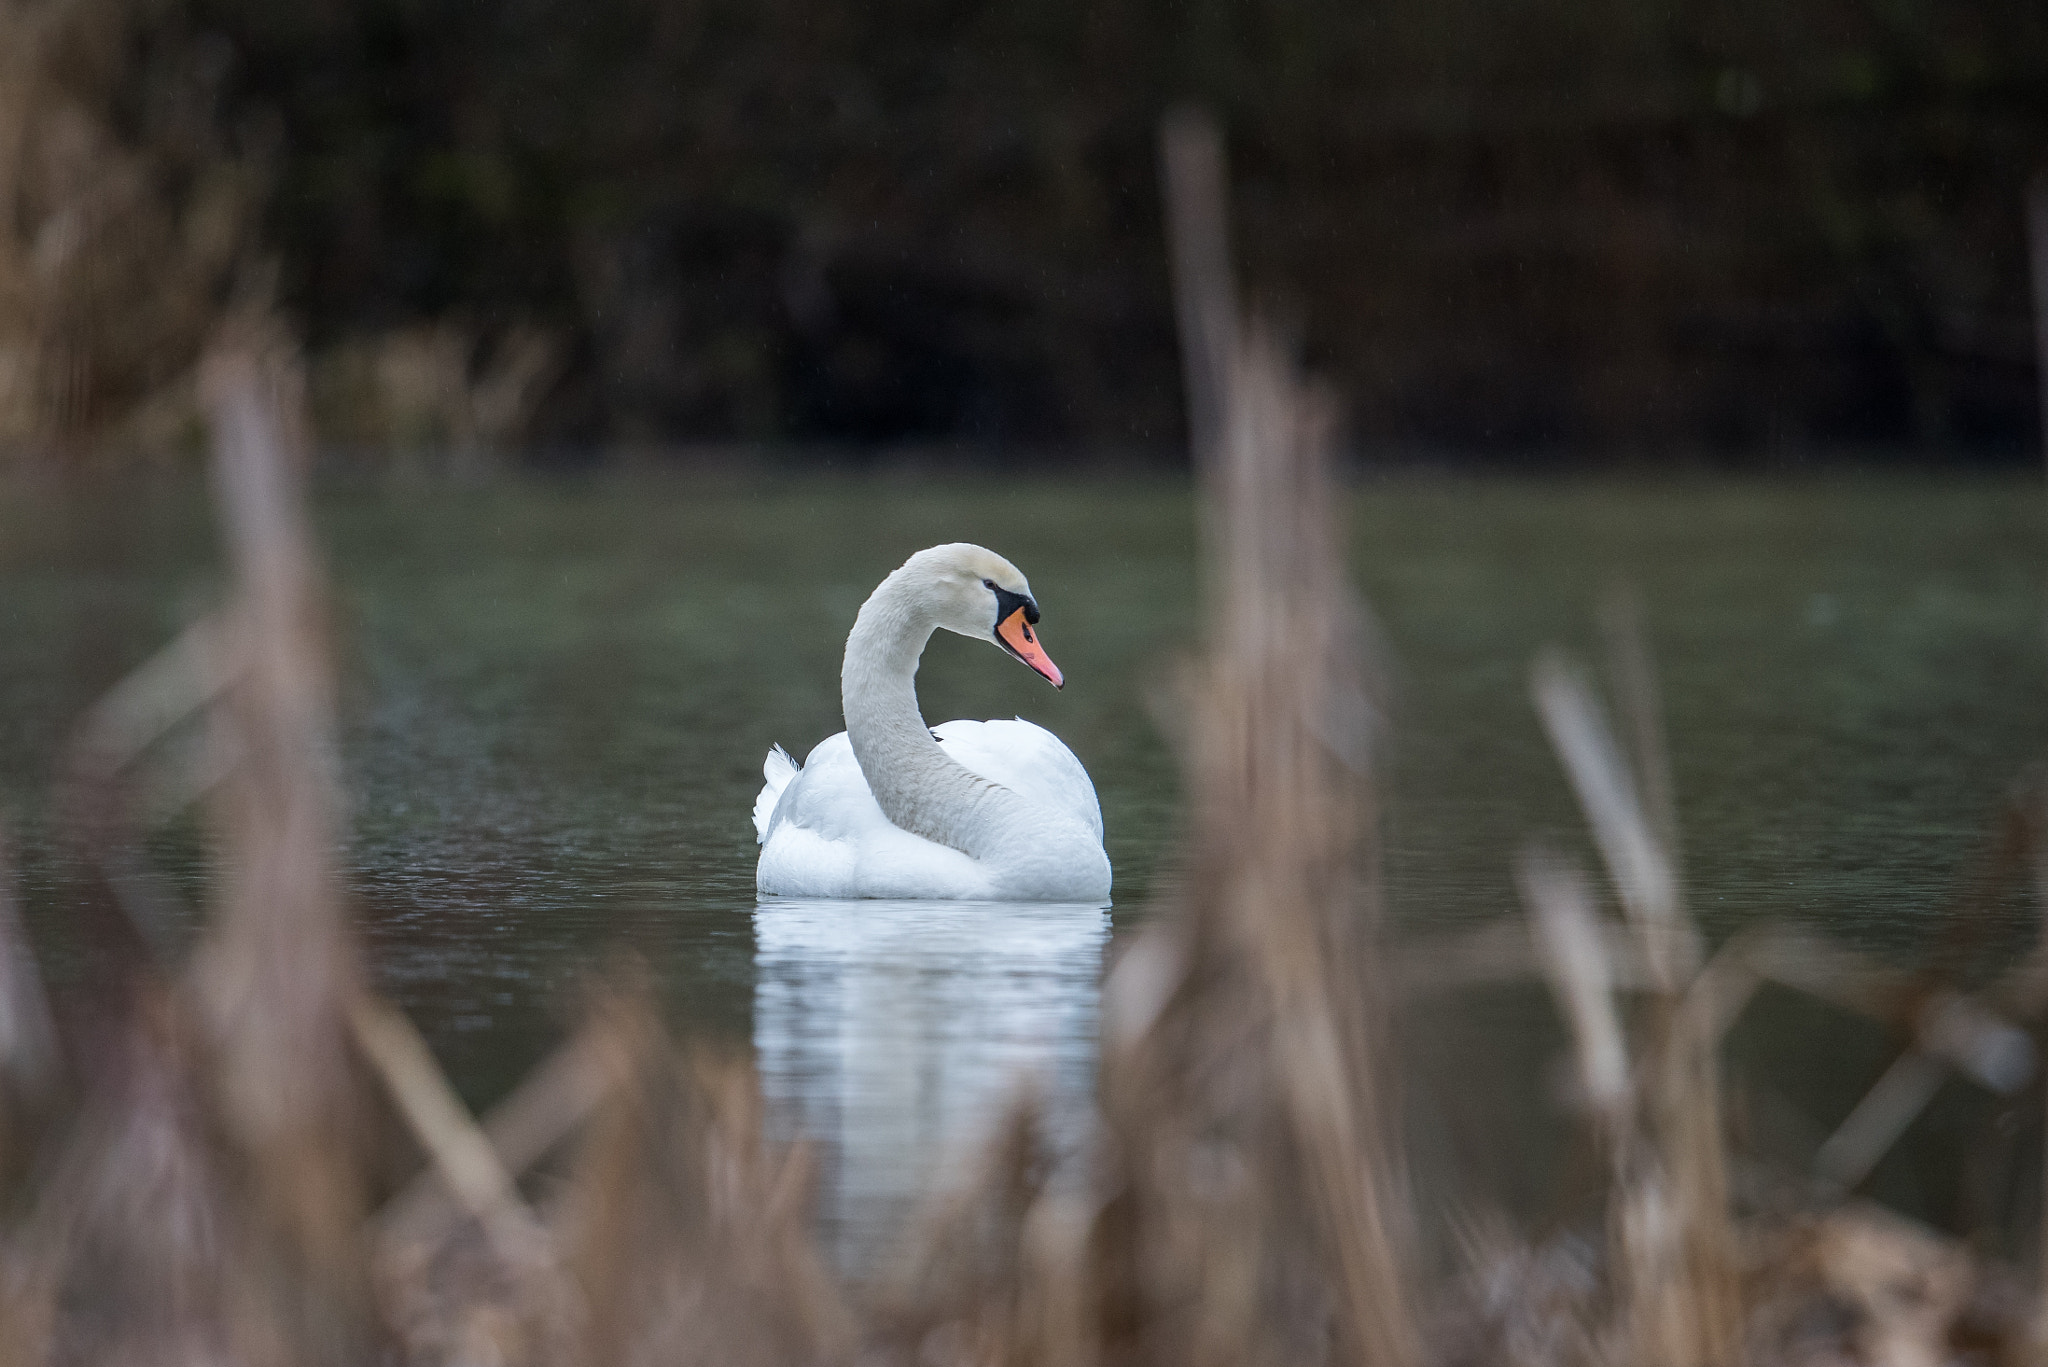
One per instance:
(919,787)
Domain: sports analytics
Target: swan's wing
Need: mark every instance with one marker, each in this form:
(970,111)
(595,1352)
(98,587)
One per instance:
(827,837)
(1028,759)
(828,795)
(778,769)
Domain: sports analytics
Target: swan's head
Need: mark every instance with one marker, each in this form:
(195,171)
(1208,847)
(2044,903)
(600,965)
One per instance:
(975,592)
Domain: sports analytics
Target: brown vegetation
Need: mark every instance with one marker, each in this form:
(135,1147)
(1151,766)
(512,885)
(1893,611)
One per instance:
(1715,225)
(120,247)
(241,1154)
(130,218)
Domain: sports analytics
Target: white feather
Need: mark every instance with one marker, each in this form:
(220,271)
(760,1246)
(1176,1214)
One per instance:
(1011,811)
(778,769)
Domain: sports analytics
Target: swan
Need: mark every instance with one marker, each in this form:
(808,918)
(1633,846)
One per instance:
(966,811)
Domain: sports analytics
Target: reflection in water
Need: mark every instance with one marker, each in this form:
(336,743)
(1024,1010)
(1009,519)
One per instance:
(892,1032)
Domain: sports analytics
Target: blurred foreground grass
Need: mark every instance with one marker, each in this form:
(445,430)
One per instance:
(223,1145)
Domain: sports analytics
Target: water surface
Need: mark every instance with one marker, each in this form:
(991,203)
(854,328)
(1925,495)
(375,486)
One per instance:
(558,695)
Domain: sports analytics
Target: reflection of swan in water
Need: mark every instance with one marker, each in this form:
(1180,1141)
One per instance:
(892,1033)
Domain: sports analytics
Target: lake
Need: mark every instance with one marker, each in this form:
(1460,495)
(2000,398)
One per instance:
(558,694)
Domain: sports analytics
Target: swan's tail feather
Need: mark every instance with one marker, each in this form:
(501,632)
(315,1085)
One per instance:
(778,769)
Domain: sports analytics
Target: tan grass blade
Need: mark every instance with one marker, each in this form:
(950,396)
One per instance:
(1639,865)
(1683,1299)
(1878,1120)
(278,972)
(1265,973)
(158,695)
(1633,672)
(1574,959)
(684,1230)
(1817,966)
(544,1112)
(1504,951)
(457,1147)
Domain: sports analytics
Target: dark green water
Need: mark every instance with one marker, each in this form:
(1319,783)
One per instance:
(559,694)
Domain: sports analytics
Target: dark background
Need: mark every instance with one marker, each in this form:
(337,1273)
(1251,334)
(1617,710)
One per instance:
(1521,229)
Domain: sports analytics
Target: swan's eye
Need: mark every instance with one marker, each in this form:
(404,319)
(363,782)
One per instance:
(988,584)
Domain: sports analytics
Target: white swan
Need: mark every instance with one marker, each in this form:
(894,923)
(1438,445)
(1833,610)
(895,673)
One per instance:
(968,811)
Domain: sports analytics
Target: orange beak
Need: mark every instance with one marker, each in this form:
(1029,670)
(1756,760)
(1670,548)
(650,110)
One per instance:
(1016,636)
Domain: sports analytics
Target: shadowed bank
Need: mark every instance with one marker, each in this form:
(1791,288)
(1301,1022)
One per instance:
(1560,231)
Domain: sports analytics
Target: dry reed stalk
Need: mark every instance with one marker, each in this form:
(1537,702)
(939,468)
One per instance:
(997,1274)
(1254,1216)
(478,1279)
(1577,964)
(1674,1226)
(279,976)
(1609,793)
(1241,1201)
(279,970)
(1634,672)
(209,1203)
(1948,1030)
(204,1202)
(548,1106)
(1506,951)
(145,1245)
(457,1147)
(676,1234)
(686,1233)
(1281,758)
(115,779)
(1899,1294)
